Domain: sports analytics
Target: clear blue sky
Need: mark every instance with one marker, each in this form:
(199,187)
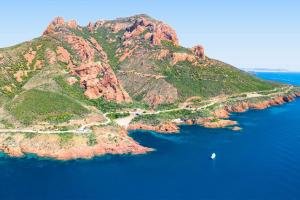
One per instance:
(245,33)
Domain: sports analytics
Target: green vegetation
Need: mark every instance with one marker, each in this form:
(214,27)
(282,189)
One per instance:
(167,106)
(6,124)
(65,138)
(172,48)
(110,106)
(102,36)
(210,80)
(118,115)
(155,119)
(74,91)
(92,140)
(59,118)
(41,105)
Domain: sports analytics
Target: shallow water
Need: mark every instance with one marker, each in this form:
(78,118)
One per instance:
(260,162)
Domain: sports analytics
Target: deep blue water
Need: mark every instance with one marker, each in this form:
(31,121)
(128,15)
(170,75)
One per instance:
(260,162)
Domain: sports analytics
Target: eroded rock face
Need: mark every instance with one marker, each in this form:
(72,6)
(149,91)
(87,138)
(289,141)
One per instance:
(82,48)
(63,55)
(220,123)
(180,57)
(221,113)
(50,146)
(99,80)
(29,57)
(51,57)
(72,80)
(163,54)
(199,51)
(58,25)
(156,31)
(58,21)
(167,127)
(164,32)
(19,75)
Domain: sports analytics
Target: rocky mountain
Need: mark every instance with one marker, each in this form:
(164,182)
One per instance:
(73,91)
(124,60)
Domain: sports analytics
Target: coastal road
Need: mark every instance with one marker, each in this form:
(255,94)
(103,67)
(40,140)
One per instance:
(125,121)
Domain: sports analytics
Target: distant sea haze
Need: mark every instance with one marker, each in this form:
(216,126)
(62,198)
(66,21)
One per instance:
(270,70)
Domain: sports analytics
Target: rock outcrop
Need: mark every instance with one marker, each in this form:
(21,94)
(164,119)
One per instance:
(167,127)
(181,57)
(108,140)
(156,31)
(59,25)
(215,123)
(99,80)
(199,51)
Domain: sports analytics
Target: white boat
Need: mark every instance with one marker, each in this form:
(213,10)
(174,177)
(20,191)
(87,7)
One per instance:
(213,156)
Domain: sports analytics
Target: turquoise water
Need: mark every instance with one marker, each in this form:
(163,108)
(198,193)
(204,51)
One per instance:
(260,162)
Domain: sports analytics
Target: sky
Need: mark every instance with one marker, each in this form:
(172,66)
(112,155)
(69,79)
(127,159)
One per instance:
(244,33)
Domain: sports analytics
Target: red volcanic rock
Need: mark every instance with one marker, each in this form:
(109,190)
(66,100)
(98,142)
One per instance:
(99,80)
(218,123)
(126,54)
(276,101)
(221,113)
(39,64)
(58,21)
(241,107)
(90,27)
(147,36)
(72,80)
(51,57)
(99,23)
(288,98)
(260,105)
(116,27)
(164,32)
(82,48)
(198,51)
(166,127)
(19,75)
(72,24)
(99,49)
(158,31)
(63,55)
(163,54)
(179,57)
(29,57)
(189,122)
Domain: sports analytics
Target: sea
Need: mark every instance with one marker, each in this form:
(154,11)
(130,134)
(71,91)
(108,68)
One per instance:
(260,162)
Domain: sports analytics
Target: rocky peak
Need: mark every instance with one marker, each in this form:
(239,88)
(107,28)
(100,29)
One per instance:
(199,51)
(157,31)
(59,24)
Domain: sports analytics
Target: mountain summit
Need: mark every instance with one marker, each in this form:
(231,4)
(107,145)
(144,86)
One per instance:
(128,59)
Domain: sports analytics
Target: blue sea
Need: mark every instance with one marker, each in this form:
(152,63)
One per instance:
(260,162)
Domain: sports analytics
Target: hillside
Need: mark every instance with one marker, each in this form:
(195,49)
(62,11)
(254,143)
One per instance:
(74,77)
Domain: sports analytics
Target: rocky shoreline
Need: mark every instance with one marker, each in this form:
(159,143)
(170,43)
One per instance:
(108,140)
(115,140)
(220,116)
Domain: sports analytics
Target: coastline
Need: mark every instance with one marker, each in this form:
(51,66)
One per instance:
(115,140)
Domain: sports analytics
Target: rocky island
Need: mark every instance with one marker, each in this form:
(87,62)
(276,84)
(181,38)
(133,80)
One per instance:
(76,91)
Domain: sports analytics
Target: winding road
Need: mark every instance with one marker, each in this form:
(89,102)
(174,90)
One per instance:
(124,122)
